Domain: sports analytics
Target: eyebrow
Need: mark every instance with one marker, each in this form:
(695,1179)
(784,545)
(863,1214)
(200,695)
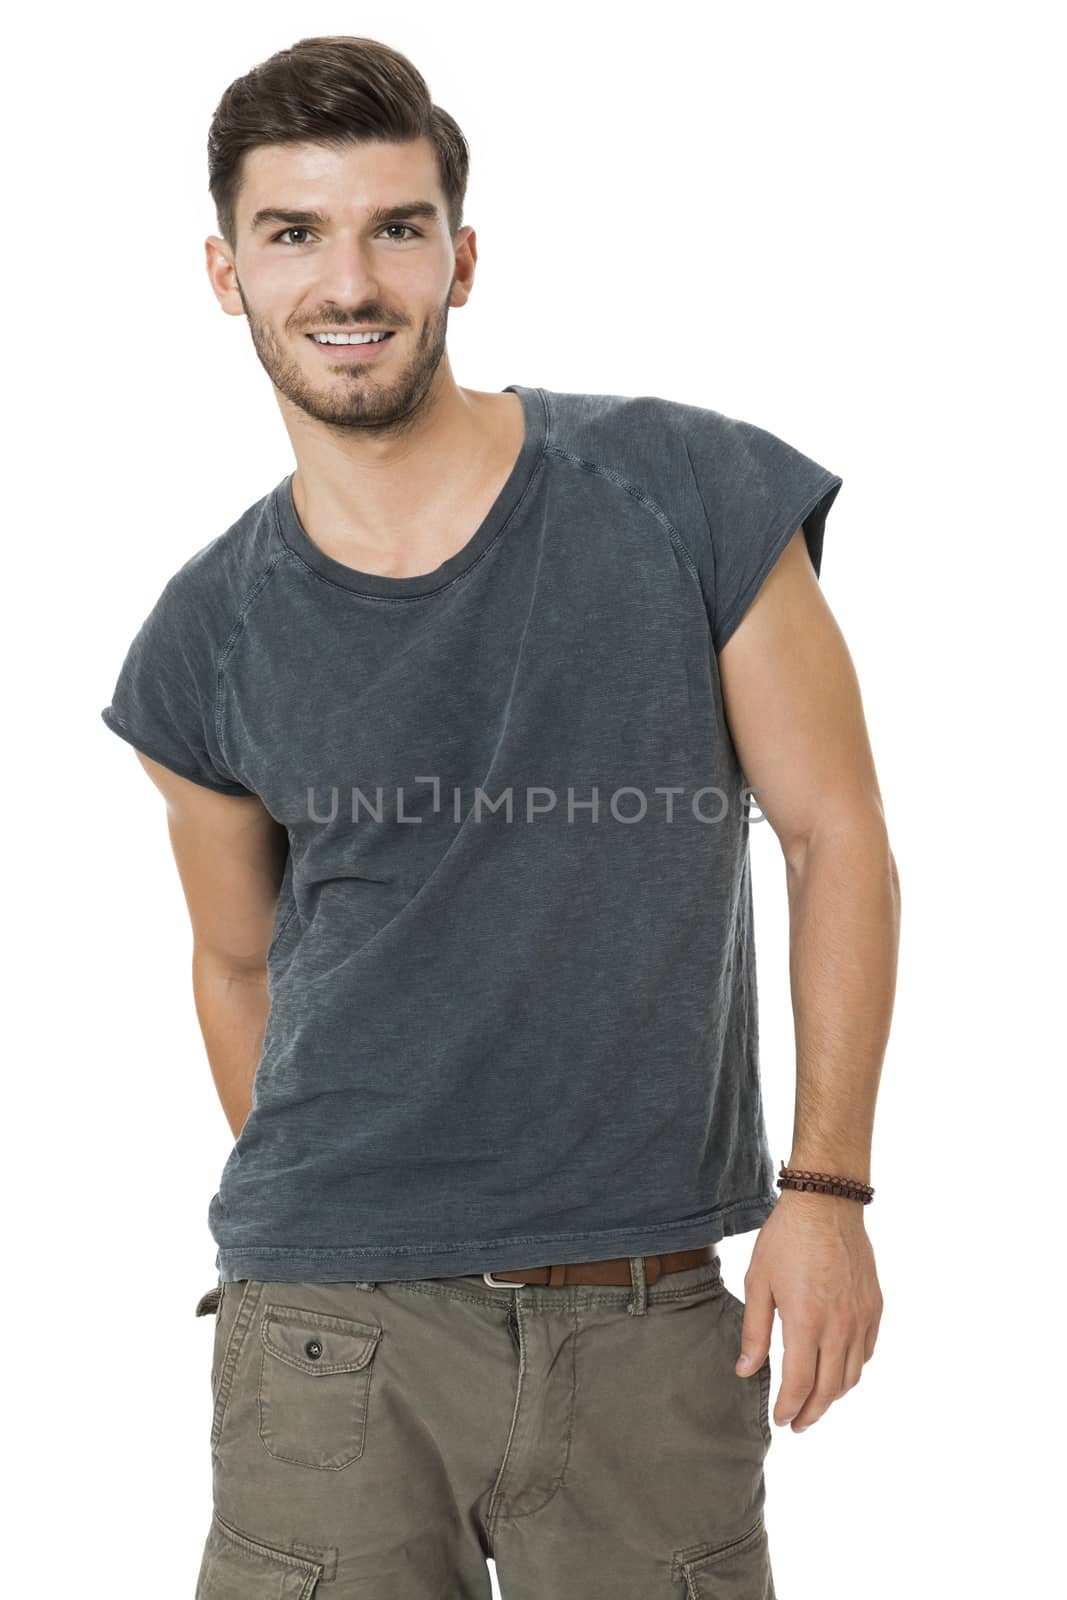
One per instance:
(424,209)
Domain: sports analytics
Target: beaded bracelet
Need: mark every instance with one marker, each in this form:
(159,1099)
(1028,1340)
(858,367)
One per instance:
(824,1183)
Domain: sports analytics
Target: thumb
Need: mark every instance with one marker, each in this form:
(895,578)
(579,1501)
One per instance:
(755,1335)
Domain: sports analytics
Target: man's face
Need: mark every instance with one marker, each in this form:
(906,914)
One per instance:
(347,270)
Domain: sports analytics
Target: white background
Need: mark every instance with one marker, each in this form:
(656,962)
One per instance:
(837,221)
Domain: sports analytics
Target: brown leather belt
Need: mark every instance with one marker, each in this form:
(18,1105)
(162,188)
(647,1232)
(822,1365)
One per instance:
(616,1270)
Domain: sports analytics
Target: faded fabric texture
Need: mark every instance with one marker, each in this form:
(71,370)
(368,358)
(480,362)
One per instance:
(513,998)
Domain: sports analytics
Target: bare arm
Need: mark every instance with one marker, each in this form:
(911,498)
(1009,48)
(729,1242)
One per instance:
(796,718)
(795,713)
(230,854)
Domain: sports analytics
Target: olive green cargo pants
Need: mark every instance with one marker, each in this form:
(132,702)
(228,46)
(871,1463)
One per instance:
(378,1441)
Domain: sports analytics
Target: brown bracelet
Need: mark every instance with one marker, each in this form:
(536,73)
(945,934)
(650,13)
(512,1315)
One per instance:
(824,1183)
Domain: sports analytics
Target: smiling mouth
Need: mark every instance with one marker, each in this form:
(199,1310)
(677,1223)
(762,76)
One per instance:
(359,344)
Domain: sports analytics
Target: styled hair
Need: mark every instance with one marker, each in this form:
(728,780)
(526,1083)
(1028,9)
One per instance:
(333,90)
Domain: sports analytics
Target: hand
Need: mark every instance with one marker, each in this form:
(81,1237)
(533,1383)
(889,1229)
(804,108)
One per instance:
(813,1260)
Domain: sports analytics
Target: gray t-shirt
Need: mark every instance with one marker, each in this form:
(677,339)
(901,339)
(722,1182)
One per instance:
(512,979)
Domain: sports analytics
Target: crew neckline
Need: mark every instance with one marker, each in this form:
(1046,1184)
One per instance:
(293,534)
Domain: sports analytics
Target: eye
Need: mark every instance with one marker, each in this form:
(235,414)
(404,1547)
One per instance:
(284,231)
(390,227)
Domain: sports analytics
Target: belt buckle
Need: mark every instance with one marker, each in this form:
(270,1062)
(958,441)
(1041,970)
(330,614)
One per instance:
(495,1284)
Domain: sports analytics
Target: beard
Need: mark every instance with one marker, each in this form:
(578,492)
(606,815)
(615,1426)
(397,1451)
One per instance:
(354,396)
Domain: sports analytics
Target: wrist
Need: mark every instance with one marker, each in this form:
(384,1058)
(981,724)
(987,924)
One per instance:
(820,1205)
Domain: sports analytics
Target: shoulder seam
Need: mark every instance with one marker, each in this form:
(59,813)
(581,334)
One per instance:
(231,640)
(710,542)
(635,492)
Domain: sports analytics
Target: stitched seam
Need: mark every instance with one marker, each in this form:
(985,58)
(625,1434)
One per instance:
(693,1554)
(239,1331)
(710,542)
(557,1483)
(283,1558)
(496,1498)
(226,651)
(642,498)
(276,941)
(360,1398)
(765,1397)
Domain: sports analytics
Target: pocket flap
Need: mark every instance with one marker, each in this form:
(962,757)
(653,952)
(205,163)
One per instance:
(316,1342)
(739,1570)
(235,1565)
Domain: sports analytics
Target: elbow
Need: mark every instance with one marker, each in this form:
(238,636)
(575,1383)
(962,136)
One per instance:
(894,878)
(852,833)
(228,967)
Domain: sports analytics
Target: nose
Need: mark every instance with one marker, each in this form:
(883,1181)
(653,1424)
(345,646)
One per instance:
(345,272)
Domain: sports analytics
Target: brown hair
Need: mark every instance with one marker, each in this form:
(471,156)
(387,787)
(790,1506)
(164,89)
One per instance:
(334,90)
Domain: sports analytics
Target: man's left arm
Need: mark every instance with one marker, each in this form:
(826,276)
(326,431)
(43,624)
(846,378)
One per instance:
(793,705)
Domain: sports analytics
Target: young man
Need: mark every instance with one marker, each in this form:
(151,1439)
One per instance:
(456,728)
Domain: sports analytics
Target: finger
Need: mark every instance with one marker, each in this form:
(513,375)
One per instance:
(871,1337)
(828,1385)
(854,1364)
(756,1328)
(799,1359)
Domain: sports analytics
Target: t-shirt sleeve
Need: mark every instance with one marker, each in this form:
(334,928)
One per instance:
(756,491)
(165,701)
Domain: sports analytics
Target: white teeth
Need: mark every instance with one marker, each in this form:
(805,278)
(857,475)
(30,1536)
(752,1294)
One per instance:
(348,338)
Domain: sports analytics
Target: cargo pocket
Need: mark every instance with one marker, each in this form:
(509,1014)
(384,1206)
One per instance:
(314,1385)
(235,1567)
(740,1570)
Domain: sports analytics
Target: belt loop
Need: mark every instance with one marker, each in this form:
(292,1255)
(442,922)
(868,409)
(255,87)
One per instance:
(639,1301)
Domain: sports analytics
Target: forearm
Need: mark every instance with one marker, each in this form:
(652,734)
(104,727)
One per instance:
(844,910)
(231,1006)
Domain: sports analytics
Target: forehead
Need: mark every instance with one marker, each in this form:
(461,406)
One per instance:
(346,182)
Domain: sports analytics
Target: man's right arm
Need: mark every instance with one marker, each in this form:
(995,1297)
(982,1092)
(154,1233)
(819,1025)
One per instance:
(231,854)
